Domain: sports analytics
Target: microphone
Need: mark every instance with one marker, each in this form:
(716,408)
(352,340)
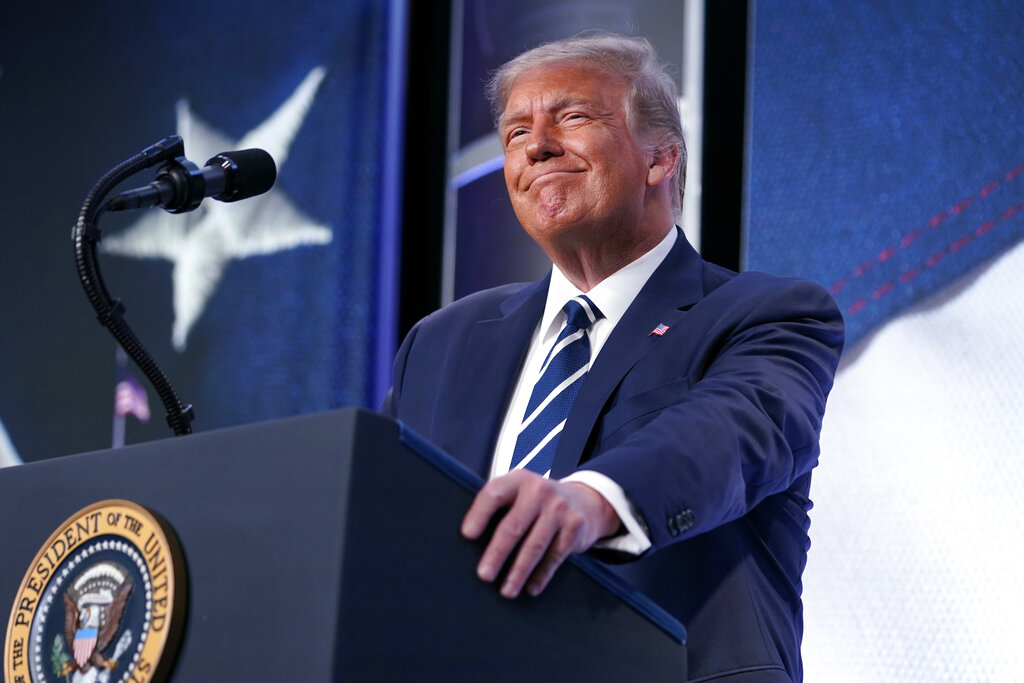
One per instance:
(181,186)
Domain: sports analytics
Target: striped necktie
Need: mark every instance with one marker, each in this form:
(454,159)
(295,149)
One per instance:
(561,377)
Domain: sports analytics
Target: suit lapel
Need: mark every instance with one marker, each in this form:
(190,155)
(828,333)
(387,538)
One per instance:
(671,289)
(487,374)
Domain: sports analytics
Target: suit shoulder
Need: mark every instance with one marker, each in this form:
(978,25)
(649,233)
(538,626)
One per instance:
(753,298)
(480,305)
(755,284)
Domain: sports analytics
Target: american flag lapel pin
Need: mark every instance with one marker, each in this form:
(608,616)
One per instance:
(661,329)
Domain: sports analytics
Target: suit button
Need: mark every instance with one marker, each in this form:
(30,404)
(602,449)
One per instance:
(684,520)
(673,528)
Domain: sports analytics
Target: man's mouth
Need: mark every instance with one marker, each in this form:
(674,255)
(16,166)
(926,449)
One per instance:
(549,174)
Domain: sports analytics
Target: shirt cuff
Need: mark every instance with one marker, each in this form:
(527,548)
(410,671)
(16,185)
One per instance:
(634,541)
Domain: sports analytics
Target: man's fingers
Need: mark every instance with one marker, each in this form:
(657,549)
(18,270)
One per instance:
(536,546)
(511,492)
(513,526)
(546,520)
(495,495)
(545,569)
(556,532)
(568,538)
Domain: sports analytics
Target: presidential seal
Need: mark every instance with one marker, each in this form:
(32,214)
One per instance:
(103,601)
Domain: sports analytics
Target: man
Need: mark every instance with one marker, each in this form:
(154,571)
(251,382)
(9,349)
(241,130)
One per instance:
(683,429)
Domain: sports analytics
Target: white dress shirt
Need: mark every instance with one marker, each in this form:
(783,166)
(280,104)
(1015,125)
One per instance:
(612,296)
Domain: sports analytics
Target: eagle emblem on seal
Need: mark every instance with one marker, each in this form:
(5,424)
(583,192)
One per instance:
(93,609)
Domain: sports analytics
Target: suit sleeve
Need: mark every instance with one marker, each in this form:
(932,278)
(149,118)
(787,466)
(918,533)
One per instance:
(742,426)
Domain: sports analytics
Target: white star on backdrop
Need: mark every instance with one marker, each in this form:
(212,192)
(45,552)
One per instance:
(8,456)
(202,243)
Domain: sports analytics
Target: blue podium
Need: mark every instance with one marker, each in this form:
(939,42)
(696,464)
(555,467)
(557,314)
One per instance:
(327,548)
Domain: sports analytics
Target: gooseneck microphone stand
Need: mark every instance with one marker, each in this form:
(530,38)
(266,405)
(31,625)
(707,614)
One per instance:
(86,236)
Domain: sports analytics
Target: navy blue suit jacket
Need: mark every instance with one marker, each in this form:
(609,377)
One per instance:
(711,429)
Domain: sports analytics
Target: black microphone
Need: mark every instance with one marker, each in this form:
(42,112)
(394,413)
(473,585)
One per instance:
(180,185)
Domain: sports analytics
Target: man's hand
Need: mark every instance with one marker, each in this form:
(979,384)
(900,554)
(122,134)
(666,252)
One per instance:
(551,518)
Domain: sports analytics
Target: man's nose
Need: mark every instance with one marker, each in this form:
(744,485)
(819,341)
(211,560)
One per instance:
(543,144)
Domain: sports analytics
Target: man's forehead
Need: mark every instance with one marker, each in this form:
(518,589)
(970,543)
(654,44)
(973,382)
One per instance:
(559,86)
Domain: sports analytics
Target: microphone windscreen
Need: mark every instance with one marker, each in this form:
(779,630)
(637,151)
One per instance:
(249,172)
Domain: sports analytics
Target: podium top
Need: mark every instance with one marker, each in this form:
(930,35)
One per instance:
(470,481)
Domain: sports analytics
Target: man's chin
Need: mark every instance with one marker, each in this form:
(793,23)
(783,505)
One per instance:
(551,215)
(558,228)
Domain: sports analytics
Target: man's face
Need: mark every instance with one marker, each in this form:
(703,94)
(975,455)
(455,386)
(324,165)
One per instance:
(574,171)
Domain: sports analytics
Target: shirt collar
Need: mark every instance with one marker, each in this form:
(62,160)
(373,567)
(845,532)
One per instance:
(612,296)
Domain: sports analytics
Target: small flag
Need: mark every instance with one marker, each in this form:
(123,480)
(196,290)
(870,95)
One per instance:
(130,399)
(661,329)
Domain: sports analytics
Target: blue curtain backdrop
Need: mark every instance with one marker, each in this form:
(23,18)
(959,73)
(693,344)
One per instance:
(886,153)
(284,303)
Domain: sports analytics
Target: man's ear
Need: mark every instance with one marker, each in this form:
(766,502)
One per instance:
(663,165)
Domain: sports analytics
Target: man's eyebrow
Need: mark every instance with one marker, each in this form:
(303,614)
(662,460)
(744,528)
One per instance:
(509,118)
(557,105)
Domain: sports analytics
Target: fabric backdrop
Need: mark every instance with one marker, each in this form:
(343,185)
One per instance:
(269,307)
(886,161)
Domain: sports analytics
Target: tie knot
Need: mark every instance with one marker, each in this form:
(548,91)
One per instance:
(581,312)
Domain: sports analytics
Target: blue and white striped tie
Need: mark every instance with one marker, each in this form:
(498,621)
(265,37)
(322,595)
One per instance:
(561,377)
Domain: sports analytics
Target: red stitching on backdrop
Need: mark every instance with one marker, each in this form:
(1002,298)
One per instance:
(908,239)
(962,206)
(836,286)
(934,260)
(862,268)
(908,275)
(937,218)
(882,291)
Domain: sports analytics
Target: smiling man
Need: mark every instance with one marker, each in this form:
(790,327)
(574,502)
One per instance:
(638,402)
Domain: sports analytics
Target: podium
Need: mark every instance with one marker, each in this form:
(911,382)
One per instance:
(326,547)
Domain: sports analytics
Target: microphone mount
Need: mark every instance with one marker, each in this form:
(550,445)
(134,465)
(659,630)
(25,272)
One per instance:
(181,186)
(86,235)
